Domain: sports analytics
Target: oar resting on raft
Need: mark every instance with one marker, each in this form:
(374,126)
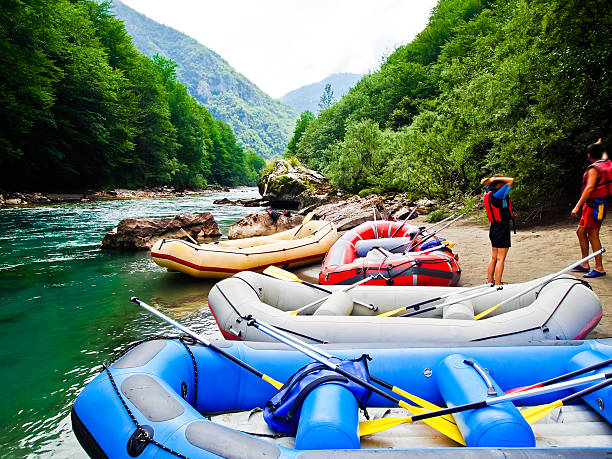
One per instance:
(307,218)
(416,306)
(539,284)
(207,343)
(278,273)
(445,424)
(531,414)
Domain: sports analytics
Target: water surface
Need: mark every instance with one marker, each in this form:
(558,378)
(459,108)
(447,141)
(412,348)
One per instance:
(64,307)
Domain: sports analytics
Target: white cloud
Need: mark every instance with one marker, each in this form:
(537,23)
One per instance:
(281,45)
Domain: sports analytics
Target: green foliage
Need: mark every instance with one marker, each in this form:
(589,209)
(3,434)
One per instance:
(300,126)
(437,215)
(81,107)
(489,86)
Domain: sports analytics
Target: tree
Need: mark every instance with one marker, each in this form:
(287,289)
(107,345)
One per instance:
(327,98)
(300,126)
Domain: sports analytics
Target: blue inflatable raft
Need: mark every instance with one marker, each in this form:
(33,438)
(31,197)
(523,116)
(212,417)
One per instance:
(172,398)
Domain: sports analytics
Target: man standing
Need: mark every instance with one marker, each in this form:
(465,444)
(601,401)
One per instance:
(499,212)
(596,192)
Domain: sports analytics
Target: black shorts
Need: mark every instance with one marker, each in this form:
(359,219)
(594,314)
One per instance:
(499,234)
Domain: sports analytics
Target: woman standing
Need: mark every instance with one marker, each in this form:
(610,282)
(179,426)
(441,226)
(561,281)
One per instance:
(499,212)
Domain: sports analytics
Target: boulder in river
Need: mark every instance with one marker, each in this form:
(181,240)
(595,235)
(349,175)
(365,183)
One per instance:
(263,224)
(142,233)
(292,186)
(356,210)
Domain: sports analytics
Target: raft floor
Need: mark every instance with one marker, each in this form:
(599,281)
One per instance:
(566,426)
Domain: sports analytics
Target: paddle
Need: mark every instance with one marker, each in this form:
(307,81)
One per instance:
(189,236)
(429,236)
(573,374)
(307,218)
(405,220)
(207,343)
(281,274)
(320,300)
(431,300)
(444,425)
(545,281)
(533,415)
(375,227)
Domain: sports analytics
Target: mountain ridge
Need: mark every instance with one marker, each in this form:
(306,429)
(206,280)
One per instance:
(257,120)
(308,96)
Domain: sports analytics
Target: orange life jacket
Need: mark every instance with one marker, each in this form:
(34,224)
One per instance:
(603,186)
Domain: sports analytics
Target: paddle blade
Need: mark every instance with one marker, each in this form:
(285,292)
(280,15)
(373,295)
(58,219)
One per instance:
(486,313)
(535,413)
(421,402)
(390,313)
(281,274)
(378,425)
(272,381)
(440,423)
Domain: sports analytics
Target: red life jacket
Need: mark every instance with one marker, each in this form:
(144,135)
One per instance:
(603,186)
(496,212)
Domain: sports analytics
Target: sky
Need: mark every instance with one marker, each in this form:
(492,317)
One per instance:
(281,45)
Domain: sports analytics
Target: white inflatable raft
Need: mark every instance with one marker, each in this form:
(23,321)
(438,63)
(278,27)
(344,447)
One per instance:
(565,308)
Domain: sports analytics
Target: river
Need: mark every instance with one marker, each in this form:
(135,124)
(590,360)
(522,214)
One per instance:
(65,307)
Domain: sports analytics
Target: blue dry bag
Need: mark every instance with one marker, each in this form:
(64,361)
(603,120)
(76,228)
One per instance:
(282,412)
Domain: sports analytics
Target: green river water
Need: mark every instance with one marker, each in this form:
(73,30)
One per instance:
(64,307)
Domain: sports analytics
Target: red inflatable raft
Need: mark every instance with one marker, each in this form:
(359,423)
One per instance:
(404,258)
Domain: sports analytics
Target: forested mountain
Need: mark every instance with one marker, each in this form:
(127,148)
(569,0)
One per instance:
(308,97)
(513,86)
(80,107)
(258,121)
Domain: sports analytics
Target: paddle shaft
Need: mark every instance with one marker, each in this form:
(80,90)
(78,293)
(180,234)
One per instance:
(510,397)
(458,300)
(405,220)
(307,218)
(431,300)
(429,236)
(345,289)
(360,303)
(563,377)
(319,355)
(549,278)
(205,342)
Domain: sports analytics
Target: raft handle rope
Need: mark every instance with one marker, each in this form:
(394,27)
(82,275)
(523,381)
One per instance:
(143,436)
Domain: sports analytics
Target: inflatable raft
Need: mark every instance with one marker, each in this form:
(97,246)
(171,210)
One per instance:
(225,258)
(169,398)
(565,308)
(393,253)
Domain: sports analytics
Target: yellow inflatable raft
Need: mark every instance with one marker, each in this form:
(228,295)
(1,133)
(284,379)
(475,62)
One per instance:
(226,258)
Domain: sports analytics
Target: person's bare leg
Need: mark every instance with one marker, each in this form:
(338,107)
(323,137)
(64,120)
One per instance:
(491,268)
(583,240)
(499,265)
(593,237)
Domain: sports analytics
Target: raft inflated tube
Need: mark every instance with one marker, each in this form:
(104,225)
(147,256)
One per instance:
(329,419)
(501,425)
(393,244)
(463,311)
(602,398)
(338,304)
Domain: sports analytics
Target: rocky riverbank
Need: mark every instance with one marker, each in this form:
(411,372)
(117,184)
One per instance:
(11,198)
